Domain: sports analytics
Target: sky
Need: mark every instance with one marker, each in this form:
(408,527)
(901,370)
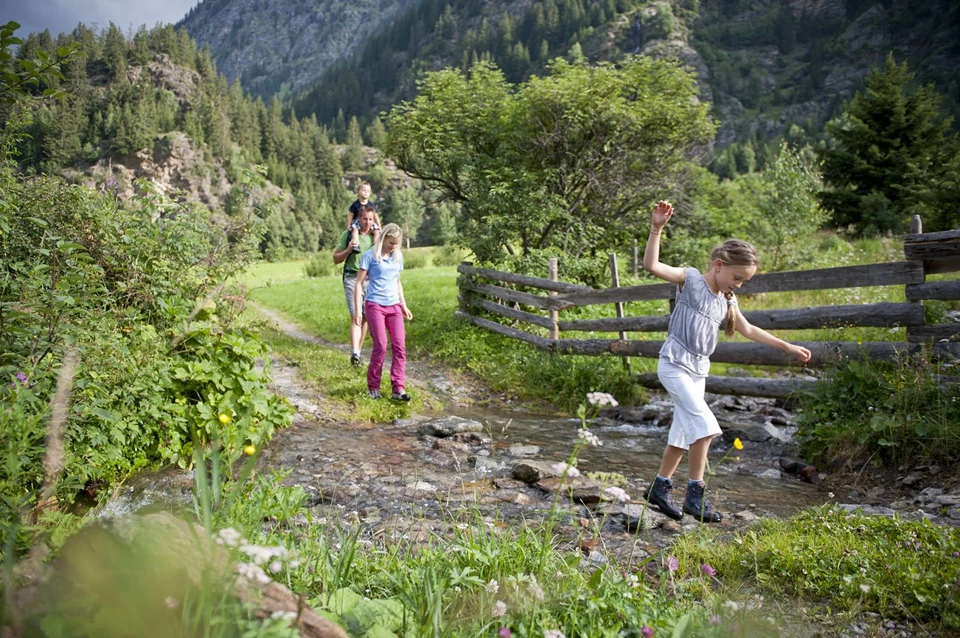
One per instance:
(63,15)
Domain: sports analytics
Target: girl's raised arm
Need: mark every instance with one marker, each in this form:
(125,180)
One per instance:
(651,255)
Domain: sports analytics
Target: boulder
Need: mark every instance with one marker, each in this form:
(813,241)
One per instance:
(449,425)
(533,471)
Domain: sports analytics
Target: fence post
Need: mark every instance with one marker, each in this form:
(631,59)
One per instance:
(916,228)
(615,276)
(635,261)
(554,315)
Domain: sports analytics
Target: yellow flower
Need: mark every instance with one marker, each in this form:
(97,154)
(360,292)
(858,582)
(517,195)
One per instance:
(249,450)
(737,443)
(224,418)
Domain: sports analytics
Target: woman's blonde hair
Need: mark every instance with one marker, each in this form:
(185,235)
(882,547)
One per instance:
(734,252)
(390,230)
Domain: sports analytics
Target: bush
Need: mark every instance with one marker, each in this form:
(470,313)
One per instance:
(412,259)
(883,410)
(320,266)
(449,256)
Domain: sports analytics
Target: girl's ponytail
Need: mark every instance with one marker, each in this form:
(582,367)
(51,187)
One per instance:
(734,252)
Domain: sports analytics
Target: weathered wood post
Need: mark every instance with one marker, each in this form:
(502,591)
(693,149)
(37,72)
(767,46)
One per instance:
(615,276)
(635,259)
(938,252)
(554,315)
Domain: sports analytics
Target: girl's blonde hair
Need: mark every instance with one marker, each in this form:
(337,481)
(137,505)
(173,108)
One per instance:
(733,252)
(390,230)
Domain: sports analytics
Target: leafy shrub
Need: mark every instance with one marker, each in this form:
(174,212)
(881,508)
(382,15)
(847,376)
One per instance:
(881,409)
(320,266)
(449,256)
(414,259)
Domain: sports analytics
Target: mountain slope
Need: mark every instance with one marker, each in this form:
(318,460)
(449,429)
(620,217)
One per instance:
(274,46)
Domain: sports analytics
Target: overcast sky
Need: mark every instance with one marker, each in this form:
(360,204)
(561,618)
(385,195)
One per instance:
(63,15)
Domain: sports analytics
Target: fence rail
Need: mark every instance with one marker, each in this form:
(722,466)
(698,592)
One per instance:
(925,254)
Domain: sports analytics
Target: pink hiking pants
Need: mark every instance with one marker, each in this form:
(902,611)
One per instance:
(381,320)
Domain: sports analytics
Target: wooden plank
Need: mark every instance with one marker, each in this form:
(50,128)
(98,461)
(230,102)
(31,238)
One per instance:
(513,278)
(656,323)
(552,268)
(937,266)
(932,245)
(506,311)
(890,274)
(935,332)
(943,235)
(879,315)
(644,292)
(823,352)
(944,290)
(524,298)
(744,386)
(513,333)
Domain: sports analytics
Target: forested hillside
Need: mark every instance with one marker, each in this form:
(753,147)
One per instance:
(156,107)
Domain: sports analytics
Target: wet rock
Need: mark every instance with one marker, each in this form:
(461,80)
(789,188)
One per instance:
(422,486)
(602,422)
(449,445)
(745,432)
(449,425)
(900,505)
(581,490)
(470,438)
(928,494)
(948,500)
(809,474)
(523,450)
(866,510)
(769,474)
(533,471)
(746,516)
(633,415)
(486,465)
(791,466)
(777,434)
(513,496)
(669,526)
(508,483)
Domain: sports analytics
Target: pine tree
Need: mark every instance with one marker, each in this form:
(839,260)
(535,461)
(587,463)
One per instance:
(353,157)
(115,53)
(890,152)
(376,134)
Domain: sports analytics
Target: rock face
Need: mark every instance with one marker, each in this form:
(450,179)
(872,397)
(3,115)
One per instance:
(270,45)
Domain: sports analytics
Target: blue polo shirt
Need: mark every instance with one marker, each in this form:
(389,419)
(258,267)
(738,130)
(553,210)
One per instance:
(382,277)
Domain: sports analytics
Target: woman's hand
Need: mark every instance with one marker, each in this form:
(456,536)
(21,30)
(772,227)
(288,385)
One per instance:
(406,312)
(661,215)
(358,316)
(800,352)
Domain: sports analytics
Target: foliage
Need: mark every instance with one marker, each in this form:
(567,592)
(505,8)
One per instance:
(501,151)
(405,208)
(787,212)
(321,265)
(889,157)
(886,411)
(888,566)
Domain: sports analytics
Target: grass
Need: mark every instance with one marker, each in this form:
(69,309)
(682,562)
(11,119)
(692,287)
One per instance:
(899,569)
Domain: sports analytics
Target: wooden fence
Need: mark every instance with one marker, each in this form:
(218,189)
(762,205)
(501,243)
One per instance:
(924,254)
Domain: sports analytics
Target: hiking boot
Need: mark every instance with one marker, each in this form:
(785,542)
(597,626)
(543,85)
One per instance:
(374,394)
(354,359)
(658,493)
(695,504)
(400,396)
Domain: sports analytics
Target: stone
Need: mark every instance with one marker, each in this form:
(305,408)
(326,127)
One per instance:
(769,474)
(512,496)
(948,499)
(635,415)
(746,516)
(449,425)
(485,464)
(470,438)
(508,483)
(523,450)
(533,471)
(912,479)
(669,526)
(791,466)
(423,486)
(934,470)
(928,494)
(449,445)
(777,434)
(744,431)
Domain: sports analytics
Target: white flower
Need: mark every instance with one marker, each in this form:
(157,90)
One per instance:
(493,587)
(286,615)
(732,605)
(558,575)
(617,494)
(536,590)
(560,468)
(252,572)
(275,567)
(552,633)
(229,537)
(589,437)
(865,588)
(499,609)
(171,602)
(261,554)
(601,399)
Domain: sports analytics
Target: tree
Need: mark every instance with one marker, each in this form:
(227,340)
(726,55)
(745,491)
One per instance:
(406,211)
(890,154)
(566,162)
(376,134)
(353,156)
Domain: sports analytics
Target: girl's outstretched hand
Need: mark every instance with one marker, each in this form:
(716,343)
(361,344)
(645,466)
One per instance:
(662,214)
(802,353)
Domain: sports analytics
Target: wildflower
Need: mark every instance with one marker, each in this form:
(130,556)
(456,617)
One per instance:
(672,564)
(737,443)
(499,609)
(536,590)
(646,631)
(956,554)
(224,418)
(252,572)
(552,633)
(865,588)
(250,450)
(229,537)
(715,619)
(601,399)
(588,437)
(170,602)
(286,615)
(708,570)
(493,587)
(504,632)
(275,567)
(732,605)
(559,574)
(617,494)
(560,468)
